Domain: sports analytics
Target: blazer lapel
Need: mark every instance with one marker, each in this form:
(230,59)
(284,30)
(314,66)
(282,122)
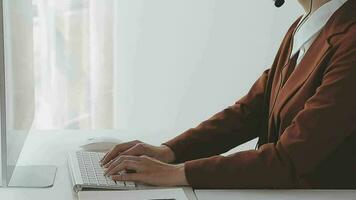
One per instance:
(338,24)
(276,84)
(308,64)
(279,96)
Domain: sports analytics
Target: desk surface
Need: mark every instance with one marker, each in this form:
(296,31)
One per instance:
(51,148)
(275,194)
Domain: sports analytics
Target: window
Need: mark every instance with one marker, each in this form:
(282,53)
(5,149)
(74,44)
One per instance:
(61,58)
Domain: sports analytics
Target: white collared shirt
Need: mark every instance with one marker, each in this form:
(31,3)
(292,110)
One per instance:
(309,31)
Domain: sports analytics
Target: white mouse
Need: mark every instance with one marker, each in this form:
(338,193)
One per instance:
(100,144)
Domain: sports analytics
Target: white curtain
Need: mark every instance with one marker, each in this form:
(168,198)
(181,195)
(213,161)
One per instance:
(67,49)
(139,65)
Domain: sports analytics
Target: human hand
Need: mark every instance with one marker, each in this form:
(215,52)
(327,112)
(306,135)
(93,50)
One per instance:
(146,170)
(138,148)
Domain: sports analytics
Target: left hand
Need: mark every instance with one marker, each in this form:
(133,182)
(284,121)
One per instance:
(147,170)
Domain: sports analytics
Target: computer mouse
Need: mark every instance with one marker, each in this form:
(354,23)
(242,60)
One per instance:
(100,144)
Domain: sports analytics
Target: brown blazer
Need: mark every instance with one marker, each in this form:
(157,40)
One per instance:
(306,129)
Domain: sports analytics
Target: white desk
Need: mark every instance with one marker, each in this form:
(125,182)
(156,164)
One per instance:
(51,147)
(275,194)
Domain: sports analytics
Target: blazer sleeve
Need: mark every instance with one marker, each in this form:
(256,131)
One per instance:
(236,124)
(328,119)
(233,126)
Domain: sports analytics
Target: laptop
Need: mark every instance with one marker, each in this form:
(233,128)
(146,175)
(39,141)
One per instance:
(87,174)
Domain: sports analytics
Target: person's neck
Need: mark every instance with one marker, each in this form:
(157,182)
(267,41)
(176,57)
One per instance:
(316,4)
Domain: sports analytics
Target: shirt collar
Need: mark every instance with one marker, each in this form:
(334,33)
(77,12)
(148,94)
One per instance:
(315,23)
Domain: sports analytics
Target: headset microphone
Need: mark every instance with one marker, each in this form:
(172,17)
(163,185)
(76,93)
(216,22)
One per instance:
(278,3)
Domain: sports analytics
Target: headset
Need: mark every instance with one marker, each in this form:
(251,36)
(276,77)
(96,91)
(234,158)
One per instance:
(278,3)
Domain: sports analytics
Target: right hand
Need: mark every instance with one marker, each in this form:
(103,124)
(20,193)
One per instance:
(138,148)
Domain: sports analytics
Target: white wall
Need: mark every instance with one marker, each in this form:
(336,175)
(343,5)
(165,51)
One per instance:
(180,61)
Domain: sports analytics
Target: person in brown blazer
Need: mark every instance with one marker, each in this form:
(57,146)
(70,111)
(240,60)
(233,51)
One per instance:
(302,109)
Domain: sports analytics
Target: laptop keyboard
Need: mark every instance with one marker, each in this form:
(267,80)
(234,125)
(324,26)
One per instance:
(93,174)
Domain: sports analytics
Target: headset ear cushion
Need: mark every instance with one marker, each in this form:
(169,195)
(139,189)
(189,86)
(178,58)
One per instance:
(279,3)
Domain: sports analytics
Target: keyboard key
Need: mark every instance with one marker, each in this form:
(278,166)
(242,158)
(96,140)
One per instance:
(93,181)
(130,184)
(111,182)
(93,174)
(120,183)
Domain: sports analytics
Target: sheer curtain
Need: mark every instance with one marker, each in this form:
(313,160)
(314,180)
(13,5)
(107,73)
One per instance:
(67,49)
(138,65)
